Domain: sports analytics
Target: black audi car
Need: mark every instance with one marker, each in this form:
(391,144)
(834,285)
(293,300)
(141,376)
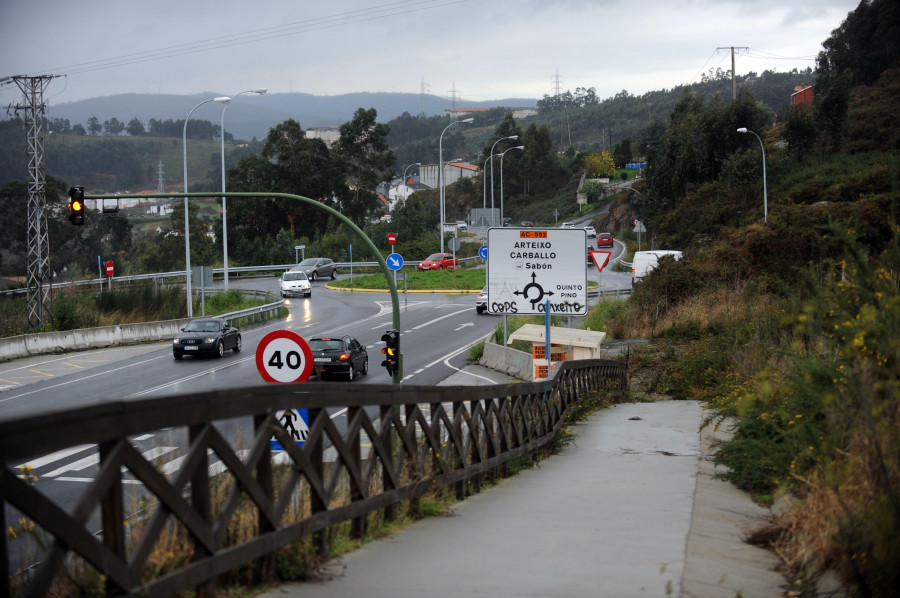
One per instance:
(210,336)
(339,355)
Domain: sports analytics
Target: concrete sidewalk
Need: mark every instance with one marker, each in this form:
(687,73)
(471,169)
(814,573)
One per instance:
(630,508)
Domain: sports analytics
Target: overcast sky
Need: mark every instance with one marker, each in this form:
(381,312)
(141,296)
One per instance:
(482,49)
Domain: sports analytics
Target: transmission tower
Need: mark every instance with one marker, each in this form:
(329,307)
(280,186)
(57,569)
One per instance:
(565,124)
(424,90)
(40,308)
(454,93)
(160,178)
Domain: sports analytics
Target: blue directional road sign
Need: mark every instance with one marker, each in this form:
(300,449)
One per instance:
(394,261)
(483,252)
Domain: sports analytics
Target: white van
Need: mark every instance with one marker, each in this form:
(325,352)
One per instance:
(645,261)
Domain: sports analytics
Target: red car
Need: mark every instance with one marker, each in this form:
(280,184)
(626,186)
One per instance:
(604,240)
(439,261)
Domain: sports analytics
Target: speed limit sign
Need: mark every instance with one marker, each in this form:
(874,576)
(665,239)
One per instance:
(284,356)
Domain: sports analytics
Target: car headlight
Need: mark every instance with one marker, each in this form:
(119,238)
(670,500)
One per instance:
(210,339)
(176,341)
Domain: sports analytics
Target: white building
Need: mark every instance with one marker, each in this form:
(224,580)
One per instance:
(329,135)
(453,171)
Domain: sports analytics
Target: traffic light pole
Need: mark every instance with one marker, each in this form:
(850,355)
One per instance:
(388,274)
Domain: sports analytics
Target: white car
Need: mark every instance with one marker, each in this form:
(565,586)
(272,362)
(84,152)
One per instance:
(295,283)
(591,233)
(567,225)
(461,225)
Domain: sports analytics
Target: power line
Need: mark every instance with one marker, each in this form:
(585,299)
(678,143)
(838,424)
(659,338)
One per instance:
(257,35)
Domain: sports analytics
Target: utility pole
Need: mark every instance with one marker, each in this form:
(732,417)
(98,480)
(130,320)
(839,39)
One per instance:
(40,310)
(733,85)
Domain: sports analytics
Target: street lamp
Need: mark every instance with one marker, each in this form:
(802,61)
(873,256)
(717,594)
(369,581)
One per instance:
(441,172)
(518,147)
(224,210)
(187,232)
(404,179)
(492,177)
(484,180)
(765,195)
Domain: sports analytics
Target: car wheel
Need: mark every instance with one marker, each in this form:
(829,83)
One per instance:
(350,373)
(178,355)
(334,274)
(440,267)
(479,309)
(309,294)
(237,344)
(220,349)
(365,369)
(314,277)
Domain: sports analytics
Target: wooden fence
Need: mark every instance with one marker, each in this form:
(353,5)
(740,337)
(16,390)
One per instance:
(398,443)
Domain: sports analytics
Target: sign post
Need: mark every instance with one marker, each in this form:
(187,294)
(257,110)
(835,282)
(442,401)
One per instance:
(283,356)
(110,270)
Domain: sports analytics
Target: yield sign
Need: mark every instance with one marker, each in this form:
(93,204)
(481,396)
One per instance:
(601,258)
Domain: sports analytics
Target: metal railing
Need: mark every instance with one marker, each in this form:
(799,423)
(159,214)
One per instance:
(399,443)
(179,275)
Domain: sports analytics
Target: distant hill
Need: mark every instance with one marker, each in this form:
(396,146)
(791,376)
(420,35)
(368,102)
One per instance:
(252,115)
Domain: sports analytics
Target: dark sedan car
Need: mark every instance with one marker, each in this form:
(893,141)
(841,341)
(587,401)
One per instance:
(317,267)
(210,336)
(339,355)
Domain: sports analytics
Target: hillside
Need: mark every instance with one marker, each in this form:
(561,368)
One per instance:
(253,115)
(413,138)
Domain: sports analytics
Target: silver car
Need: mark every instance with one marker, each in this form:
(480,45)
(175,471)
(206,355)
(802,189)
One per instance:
(295,283)
(317,267)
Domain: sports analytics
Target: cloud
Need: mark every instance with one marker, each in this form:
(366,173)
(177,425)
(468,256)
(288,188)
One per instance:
(484,50)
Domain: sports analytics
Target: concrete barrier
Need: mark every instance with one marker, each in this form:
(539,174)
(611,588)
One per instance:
(26,345)
(513,362)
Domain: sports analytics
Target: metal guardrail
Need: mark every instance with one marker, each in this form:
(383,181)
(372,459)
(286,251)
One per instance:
(417,439)
(179,274)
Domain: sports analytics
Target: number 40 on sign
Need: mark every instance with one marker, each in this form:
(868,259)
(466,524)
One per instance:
(283,356)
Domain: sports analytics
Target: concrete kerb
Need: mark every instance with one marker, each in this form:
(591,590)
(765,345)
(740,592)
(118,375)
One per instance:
(441,291)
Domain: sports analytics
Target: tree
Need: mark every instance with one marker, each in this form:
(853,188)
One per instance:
(113,126)
(290,163)
(94,125)
(622,153)
(79,130)
(599,165)
(135,127)
(363,147)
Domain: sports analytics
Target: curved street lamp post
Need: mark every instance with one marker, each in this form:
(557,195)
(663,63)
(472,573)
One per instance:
(513,137)
(403,182)
(441,173)
(518,147)
(187,232)
(765,195)
(224,207)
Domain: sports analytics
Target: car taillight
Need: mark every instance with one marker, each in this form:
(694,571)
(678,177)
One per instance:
(344,356)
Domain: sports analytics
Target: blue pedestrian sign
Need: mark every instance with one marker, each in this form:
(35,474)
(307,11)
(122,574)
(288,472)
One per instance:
(296,423)
(394,261)
(483,252)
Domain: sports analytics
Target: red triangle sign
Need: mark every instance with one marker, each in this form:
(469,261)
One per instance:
(601,258)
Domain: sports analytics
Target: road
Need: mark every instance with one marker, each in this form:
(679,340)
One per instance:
(436,330)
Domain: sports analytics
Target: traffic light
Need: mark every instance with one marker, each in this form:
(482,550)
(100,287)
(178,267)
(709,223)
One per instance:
(391,351)
(76,205)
